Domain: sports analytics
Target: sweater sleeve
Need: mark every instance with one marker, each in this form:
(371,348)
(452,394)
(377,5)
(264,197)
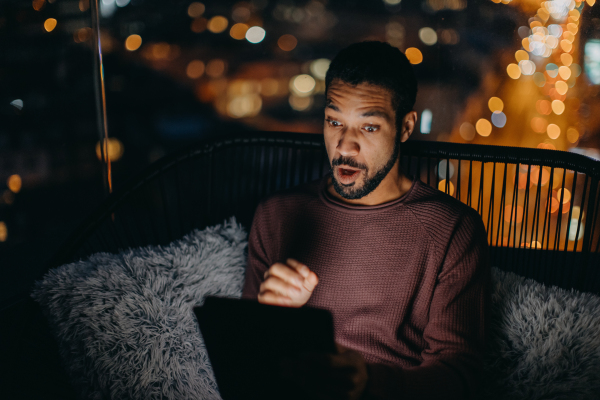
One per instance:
(258,261)
(454,334)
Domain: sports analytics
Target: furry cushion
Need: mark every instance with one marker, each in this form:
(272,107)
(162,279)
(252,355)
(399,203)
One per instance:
(126,330)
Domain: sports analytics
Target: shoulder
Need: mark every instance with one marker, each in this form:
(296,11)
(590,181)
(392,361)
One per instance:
(290,198)
(441,214)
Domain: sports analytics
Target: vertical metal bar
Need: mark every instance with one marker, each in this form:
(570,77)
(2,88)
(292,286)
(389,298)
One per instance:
(100,97)
(470,185)
(556,244)
(500,232)
(490,219)
(458,178)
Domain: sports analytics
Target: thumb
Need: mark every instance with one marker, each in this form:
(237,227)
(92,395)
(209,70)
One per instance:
(311,281)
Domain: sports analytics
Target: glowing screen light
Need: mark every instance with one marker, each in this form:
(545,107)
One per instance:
(592,60)
(426,118)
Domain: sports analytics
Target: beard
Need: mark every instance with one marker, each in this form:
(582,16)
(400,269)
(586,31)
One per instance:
(350,192)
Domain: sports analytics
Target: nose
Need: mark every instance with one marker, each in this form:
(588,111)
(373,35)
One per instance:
(348,144)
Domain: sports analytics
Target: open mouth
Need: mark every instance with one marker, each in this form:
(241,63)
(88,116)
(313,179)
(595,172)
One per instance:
(347,175)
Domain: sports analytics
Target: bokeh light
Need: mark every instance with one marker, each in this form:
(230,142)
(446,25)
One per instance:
(319,68)
(196,9)
(14,183)
(521,55)
(195,69)
(300,103)
(498,119)
(513,71)
(495,104)
(527,67)
(561,87)
(238,31)
(287,42)
(558,107)
(133,42)
(553,131)
(255,34)
(269,87)
(543,107)
(50,24)
(467,131)
(302,85)
(512,214)
(428,36)
(38,4)
(199,25)
(564,72)
(573,227)
(442,187)
(564,192)
(539,79)
(114,148)
(215,68)
(414,55)
(483,127)
(217,24)
(247,105)
(572,135)
(566,59)
(3,231)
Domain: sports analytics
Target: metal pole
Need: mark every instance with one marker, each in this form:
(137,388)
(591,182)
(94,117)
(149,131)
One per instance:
(100,97)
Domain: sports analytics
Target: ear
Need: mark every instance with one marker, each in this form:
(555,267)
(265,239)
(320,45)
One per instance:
(408,125)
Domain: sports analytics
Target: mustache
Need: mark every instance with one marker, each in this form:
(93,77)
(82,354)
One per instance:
(349,162)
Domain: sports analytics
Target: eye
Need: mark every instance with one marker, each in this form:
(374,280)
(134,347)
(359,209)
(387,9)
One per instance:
(371,128)
(333,122)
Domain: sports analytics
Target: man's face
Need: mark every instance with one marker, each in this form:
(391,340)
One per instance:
(360,137)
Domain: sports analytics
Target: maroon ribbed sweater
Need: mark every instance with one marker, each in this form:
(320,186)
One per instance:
(405,282)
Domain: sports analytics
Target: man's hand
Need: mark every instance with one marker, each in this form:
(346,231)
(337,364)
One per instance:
(289,284)
(340,376)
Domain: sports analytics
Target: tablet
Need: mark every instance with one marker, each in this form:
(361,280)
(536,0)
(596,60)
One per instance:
(245,341)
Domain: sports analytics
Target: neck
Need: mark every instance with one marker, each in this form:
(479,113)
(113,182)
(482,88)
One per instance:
(392,187)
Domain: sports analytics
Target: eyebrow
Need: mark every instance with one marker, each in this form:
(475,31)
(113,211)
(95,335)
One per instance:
(375,113)
(329,104)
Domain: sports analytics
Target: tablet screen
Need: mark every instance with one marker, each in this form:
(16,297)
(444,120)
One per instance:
(245,341)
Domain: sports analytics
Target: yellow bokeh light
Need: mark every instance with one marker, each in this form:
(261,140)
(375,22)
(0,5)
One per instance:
(414,55)
(571,27)
(299,103)
(196,9)
(569,36)
(50,24)
(3,231)
(287,42)
(539,124)
(574,14)
(217,24)
(566,59)
(510,214)
(572,135)
(495,104)
(564,72)
(14,183)
(114,149)
(566,46)
(526,44)
(269,87)
(38,4)
(558,107)
(513,71)
(521,55)
(302,85)
(199,25)
(248,105)
(195,69)
(566,194)
(442,187)
(133,42)
(483,127)
(238,31)
(561,87)
(553,131)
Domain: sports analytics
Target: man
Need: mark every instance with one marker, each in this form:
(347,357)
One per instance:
(401,266)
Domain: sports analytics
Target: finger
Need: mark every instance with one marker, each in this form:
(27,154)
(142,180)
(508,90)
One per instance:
(311,281)
(287,274)
(277,285)
(298,266)
(268,297)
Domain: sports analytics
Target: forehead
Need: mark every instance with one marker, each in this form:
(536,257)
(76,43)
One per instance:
(345,97)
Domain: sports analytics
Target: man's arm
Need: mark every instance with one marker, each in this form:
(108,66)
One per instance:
(455,331)
(258,261)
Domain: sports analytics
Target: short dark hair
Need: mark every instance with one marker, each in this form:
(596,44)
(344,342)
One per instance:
(379,64)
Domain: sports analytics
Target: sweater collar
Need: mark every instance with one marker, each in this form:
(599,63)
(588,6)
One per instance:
(337,204)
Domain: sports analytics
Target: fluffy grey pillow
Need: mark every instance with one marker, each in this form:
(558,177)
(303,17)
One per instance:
(124,322)
(544,341)
(126,330)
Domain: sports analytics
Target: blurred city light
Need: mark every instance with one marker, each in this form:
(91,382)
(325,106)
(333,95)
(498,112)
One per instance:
(592,60)
(287,42)
(195,69)
(539,124)
(255,34)
(414,55)
(510,214)
(14,183)
(574,226)
(566,193)
(392,2)
(467,131)
(199,25)
(3,231)
(300,103)
(17,103)
(442,170)
(114,149)
(38,4)
(50,24)
(428,36)
(442,187)
(196,9)
(319,68)
(426,119)
(238,31)
(513,71)
(483,127)
(217,24)
(572,135)
(122,3)
(302,85)
(215,68)
(553,131)
(495,104)
(558,107)
(133,42)
(498,119)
